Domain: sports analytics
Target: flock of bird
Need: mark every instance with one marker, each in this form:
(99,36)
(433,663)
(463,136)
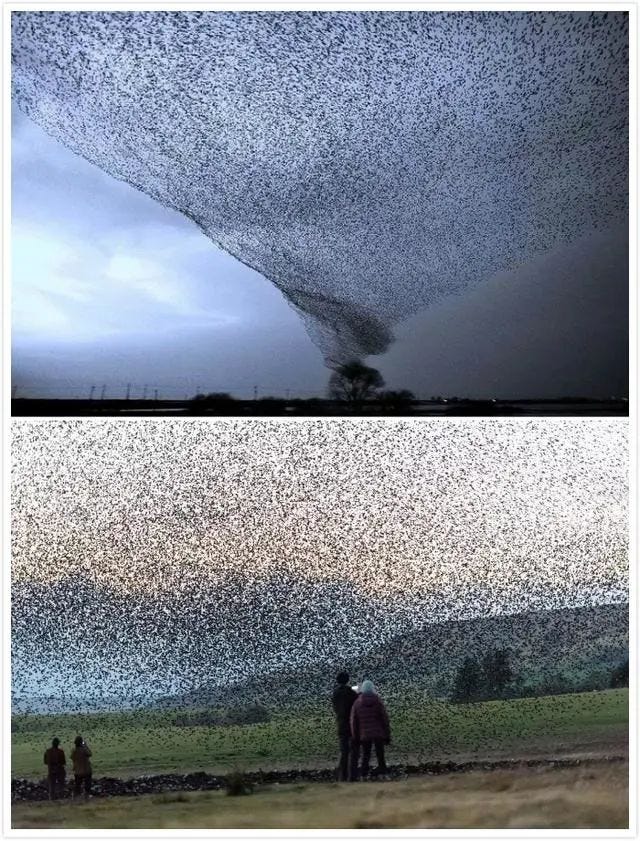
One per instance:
(367,163)
(152,558)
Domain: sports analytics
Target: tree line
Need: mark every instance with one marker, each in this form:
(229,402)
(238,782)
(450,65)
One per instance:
(353,384)
(492,677)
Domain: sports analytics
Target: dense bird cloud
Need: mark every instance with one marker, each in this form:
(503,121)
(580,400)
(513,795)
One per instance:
(156,557)
(366,163)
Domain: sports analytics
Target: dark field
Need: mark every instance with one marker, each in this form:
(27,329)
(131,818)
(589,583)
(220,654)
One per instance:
(26,407)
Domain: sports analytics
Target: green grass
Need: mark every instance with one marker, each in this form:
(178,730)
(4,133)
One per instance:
(126,744)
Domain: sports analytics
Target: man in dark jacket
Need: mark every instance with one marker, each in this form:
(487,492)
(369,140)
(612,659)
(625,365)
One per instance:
(369,727)
(55,761)
(343,698)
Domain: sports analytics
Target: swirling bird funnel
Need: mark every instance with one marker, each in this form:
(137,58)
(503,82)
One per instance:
(367,163)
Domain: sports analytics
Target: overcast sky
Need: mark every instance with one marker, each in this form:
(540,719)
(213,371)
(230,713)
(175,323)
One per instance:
(457,180)
(110,287)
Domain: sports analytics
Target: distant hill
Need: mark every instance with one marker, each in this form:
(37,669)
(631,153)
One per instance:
(567,645)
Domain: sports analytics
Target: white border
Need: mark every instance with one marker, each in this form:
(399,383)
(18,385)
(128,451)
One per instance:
(502,5)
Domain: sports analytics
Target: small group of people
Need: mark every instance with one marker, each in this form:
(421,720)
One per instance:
(363,724)
(56,763)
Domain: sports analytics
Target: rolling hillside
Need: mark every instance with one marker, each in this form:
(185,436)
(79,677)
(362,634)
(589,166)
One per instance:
(568,644)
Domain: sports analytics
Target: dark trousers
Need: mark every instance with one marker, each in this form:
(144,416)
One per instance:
(354,758)
(82,781)
(345,751)
(366,756)
(56,782)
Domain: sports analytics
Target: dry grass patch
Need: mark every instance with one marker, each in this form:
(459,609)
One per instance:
(585,797)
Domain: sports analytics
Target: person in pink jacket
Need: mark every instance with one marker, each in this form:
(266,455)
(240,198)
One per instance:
(369,728)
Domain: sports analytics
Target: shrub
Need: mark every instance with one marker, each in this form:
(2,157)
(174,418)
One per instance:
(237,785)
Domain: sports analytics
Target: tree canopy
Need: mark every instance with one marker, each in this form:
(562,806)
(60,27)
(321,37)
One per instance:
(354,382)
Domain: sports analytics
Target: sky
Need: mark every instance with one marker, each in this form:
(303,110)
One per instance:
(111,287)
(161,555)
(513,285)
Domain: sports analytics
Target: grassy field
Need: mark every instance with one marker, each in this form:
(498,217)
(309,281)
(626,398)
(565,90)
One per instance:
(586,797)
(127,744)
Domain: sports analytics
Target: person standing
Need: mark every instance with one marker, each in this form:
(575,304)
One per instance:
(369,727)
(55,761)
(342,700)
(81,767)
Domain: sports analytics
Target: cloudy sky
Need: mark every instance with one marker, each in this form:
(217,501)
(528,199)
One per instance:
(110,287)
(230,548)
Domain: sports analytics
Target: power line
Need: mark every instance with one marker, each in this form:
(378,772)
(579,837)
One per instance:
(171,391)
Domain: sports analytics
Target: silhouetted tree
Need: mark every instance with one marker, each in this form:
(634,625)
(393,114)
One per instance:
(354,383)
(468,682)
(554,683)
(620,676)
(595,679)
(496,673)
(397,401)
